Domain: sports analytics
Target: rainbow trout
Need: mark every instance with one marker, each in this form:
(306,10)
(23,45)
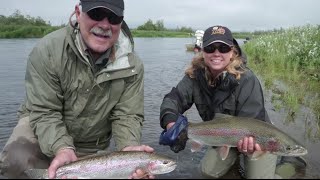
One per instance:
(227,131)
(119,164)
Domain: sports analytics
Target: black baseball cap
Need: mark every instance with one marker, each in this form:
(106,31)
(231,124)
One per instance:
(217,34)
(116,6)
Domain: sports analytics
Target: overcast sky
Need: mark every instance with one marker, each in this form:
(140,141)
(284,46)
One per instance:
(238,15)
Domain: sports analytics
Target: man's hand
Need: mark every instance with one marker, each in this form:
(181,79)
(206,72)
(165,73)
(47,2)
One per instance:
(139,148)
(63,156)
(247,145)
(139,173)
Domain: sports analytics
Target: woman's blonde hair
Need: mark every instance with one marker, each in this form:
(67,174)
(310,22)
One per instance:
(235,67)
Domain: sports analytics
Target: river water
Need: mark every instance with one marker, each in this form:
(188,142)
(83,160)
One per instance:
(165,60)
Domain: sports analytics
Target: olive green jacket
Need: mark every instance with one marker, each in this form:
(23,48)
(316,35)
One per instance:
(70,106)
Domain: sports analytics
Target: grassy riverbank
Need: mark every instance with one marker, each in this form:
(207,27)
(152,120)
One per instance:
(25,31)
(289,63)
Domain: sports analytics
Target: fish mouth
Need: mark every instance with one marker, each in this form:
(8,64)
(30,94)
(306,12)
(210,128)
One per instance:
(166,168)
(302,153)
(170,167)
(296,152)
(299,151)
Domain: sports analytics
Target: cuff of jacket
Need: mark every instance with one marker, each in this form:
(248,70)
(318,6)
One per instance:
(68,147)
(168,118)
(119,147)
(63,146)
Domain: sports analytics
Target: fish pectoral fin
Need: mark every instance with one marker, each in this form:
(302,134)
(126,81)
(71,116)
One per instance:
(35,173)
(256,155)
(223,152)
(195,146)
(144,176)
(146,172)
(302,160)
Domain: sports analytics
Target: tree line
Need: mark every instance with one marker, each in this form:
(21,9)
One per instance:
(19,26)
(18,19)
(159,26)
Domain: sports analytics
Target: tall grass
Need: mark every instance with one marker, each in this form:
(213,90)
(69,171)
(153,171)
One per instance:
(291,56)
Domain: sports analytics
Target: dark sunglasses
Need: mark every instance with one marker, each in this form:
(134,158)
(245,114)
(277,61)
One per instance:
(98,14)
(222,48)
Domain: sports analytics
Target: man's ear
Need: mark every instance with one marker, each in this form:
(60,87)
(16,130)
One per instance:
(77,11)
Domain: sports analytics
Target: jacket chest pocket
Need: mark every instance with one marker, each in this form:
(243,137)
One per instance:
(76,94)
(98,97)
(89,107)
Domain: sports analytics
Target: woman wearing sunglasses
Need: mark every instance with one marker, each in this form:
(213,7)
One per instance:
(217,82)
(84,85)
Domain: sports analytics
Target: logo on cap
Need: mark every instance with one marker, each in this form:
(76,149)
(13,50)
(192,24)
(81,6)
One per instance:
(218,30)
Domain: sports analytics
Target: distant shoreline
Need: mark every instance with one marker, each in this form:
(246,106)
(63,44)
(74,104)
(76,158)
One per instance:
(21,26)
(19,32)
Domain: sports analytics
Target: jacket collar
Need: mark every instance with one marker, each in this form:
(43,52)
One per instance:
(123,48)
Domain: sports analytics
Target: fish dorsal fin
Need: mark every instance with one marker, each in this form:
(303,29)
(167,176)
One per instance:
(221,116)
(223,152)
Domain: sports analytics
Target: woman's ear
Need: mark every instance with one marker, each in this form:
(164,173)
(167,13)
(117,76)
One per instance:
(235,52)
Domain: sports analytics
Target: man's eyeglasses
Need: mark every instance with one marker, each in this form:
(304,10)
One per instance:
(222,48)
(98,14)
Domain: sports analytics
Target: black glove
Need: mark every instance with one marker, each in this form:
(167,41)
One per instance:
(180,142)
(176,137)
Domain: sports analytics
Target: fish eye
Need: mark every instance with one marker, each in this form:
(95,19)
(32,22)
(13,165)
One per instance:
(165,162)
(288,148)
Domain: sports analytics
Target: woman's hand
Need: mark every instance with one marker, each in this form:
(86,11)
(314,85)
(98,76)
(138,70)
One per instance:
(170,125)
(247,145)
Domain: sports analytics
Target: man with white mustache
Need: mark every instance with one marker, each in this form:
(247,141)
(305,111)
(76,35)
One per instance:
(84,85)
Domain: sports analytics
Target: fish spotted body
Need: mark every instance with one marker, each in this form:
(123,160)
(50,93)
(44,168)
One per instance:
(120,164)
(227,131)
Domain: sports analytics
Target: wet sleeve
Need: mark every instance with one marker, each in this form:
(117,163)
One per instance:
(45,102)
(251,99)
(128,114)
(176,102)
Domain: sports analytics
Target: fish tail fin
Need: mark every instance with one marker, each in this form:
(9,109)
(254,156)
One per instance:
(3,168)
(36,173)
